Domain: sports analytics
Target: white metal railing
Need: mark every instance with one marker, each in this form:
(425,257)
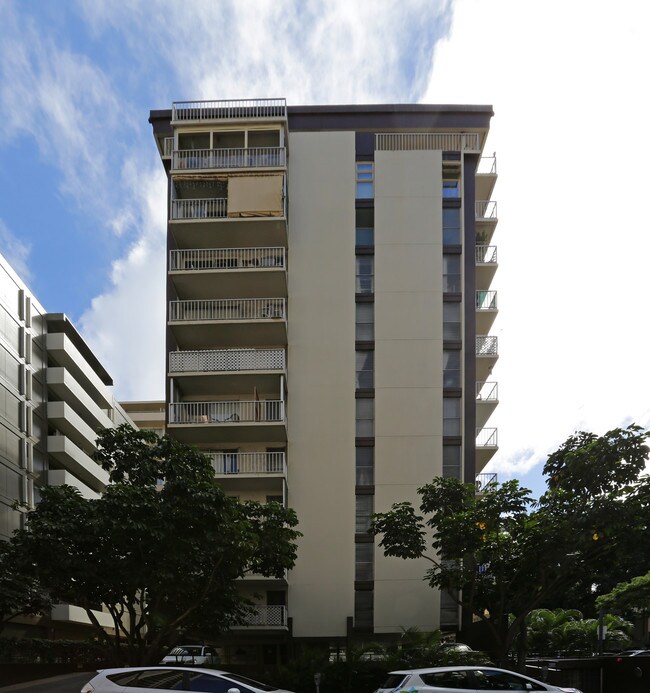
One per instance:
(487,165)
(411,141)
(226,258)
(246,109)
(241,157)
(266,616)
(203,208)
(227,309)
(486,254)
(485,479)
(487,391)
(248,462)
(487,345)
(168,146)
(485,209)
(486,437)
(234,411)
(486,300)
(226,360)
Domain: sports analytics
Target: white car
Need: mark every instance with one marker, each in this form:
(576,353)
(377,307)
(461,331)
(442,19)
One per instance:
(466,678)
(160,678)
(192,655)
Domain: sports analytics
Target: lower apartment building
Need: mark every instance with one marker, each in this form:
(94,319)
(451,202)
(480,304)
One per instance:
(330,303)
(54,395)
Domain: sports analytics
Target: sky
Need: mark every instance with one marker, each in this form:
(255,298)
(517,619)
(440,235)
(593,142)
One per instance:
(82,189)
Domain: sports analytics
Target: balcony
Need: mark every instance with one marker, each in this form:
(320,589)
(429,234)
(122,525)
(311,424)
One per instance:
(222,272)
(484,480)
(487,353)
(487,399)
(234,158)
(486,177)
(233,421)
(245,472)
(250,321)
(229,110)
(486,446)
(486,310)
(428,141)
(486,265)
(264,618)
(227,371)
(486,220)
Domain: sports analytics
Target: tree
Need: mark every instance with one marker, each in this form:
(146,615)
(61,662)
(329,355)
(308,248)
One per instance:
(628,596)
(162,549)
(501,555)
(20,592)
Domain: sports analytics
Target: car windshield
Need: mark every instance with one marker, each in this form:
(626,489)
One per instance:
(250,682)
(394,680)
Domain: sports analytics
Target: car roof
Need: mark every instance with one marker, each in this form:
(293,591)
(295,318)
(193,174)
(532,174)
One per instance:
(162,666)
(432,670)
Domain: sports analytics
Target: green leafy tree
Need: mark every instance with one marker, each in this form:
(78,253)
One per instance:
(628,596)
(501,555)
(162,549)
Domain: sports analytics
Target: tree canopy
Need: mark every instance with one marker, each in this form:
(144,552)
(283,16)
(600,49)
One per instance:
(501,554)
(628,596)
(162,548)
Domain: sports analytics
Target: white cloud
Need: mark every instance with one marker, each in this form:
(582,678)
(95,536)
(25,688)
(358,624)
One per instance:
(16,252)
(567,84)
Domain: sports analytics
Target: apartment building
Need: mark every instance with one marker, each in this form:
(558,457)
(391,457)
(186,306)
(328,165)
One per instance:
(330,303)
(54,395)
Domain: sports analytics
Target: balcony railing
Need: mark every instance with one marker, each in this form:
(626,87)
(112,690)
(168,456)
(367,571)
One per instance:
(244,411)
(487,392)
(226,258)
(427,141)
(243,109)
(486,438)
(487,165)
(486,254)
(486,209)
(227,309)
(203,208)
(226,360)
(487,345)
(240,157)
(265,617)
(486,300)
(485,479)
(248,462)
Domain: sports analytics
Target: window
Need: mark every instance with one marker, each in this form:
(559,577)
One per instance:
(365,369)
(363,609)
(491,680)
(451,461)
(364,509)
(451,188)
(451,327)
(365,418)
(275,499)
(451,363)
(208,683)
(364,561)
(451,226)
(365,180)
(447,679)
(365,466)
(365,274)
(451,411)
(365,328)
(451,281)
(166,679)
(365,223)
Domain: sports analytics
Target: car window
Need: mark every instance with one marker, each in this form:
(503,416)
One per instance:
(395,681)
(249,682)
(159,679)
(447,679)
(124,678)
(210,683)
(490,680)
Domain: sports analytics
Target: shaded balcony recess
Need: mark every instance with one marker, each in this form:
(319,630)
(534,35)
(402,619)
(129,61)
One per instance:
(226,258)
(233,109)
(486,254)
(487,345)
(257,463)
(264,617)
(486,209)
(487,392)
(485,479)
(226,360)
(227,309)
(230,412)
(238,157)
(486,300)
(486,438)
(428,141)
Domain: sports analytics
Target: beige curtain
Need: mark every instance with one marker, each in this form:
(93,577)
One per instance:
(255,196)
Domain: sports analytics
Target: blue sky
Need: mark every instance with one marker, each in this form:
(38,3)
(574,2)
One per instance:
(82,190)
